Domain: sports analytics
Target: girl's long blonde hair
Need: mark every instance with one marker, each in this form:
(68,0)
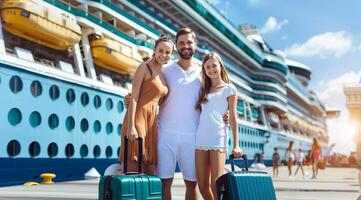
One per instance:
(316,144)
(206,81)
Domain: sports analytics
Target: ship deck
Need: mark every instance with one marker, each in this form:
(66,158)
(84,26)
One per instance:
(332,184)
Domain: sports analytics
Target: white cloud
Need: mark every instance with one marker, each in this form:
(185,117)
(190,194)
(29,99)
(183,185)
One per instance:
(254,2)
(272,25)
(331,93)
(284,37)
(323,45)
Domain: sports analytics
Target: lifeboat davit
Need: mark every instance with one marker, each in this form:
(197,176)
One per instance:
(40,22)
(114,55)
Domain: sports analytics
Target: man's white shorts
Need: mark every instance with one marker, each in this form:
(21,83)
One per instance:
(173,148)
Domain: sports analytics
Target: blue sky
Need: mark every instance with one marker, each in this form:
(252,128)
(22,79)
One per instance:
(323,34)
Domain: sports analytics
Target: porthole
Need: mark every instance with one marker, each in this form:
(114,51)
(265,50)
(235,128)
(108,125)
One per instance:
(54,92)
(108,152)
(69,150)
(53,121)
(109,128)
(13,148)
(36,88)
(109,104)
(35,119)
(14,116)
(69,123)
(84,151)
(97,101)
(34,149)
(119,129)
(84,99)
(84,125)
(97,126)
(120,106)
(16,84)
(118,151)
(70,95)
(52,150)
(96,151)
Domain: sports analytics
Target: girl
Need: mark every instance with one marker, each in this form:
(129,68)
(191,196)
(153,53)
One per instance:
(290,157)
(316,155)
(217,96)
(148,89)
(300,159)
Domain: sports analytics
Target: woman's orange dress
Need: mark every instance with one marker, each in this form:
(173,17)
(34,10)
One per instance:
(151,91)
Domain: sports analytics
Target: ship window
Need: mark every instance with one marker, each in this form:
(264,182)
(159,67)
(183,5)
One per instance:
(36,88)
(69,150)
(97,101)
(109,128)
(96,151)
(84,151)
(16,85)
(69,123)
(34,149)
(52,150)
(97,126)
(84,99)
(109,104)
(25,13)
(84,125)
(109,151)
(229,142)
(53,121)
(35,119)
(119,128)
(14,116)
(70,96)
(13,148)
(54,92)
(118,151)
(120,106)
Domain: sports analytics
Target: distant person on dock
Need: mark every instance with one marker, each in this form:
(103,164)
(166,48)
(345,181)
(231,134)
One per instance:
(299,160)
(316,155)
(148,90)
(218,96)
(290,156)
(275,162)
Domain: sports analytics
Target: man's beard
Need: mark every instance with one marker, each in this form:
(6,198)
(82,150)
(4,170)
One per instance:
(186,55)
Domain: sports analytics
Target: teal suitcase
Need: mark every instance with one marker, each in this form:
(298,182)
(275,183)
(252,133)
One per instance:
(245,185)
(130,185)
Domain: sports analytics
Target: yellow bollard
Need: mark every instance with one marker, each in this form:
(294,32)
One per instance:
(47,178)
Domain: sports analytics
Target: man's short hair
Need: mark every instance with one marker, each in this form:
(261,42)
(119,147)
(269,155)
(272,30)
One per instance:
(184,31)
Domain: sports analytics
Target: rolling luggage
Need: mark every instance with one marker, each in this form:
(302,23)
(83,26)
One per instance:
(245,185)
(130,185)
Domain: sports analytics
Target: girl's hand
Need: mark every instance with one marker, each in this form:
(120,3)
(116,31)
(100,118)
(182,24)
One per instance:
(132,134)
(237,152)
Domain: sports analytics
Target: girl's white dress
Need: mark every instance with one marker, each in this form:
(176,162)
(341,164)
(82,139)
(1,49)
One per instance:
(212,131)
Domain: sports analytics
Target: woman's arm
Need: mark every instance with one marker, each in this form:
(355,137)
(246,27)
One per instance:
(136,84)
(232,103)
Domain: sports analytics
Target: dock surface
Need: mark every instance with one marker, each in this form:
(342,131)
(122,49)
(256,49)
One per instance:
(331,184)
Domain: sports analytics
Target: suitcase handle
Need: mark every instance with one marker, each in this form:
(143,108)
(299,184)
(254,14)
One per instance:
(140,156)
(245,161)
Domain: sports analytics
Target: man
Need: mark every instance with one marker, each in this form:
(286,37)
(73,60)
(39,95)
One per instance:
(178,119)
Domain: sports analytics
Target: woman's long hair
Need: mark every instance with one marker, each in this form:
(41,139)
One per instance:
(206,81)
(290,146)
(316,144)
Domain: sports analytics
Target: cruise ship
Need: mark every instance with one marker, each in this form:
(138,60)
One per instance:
(65,66)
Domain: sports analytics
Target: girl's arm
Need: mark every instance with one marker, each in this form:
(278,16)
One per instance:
(232,102)
(136,84)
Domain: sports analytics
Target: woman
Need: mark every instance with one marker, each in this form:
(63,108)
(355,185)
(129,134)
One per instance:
(316,155)
(290,157)
(217,96)
(148,90)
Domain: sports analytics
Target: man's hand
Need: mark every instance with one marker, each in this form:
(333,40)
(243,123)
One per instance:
(127,99)
(226,118)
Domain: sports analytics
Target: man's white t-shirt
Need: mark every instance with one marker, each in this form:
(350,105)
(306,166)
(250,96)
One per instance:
(177,114)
